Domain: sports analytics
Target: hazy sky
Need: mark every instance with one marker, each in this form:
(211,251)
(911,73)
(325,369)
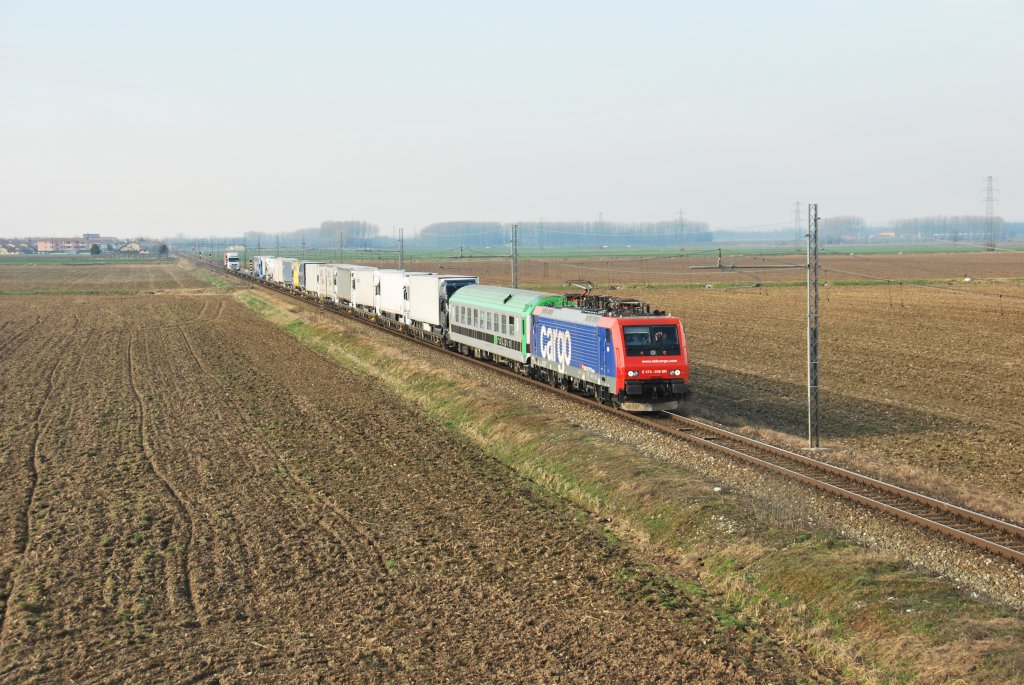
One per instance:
(218,117)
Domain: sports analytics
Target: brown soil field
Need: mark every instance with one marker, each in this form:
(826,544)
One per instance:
(40,278)
(550,274)
(189,494)
(920,385)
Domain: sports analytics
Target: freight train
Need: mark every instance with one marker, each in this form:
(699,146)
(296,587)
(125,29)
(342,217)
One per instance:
(615,350)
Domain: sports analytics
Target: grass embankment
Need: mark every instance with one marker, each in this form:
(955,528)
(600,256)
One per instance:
(860,611)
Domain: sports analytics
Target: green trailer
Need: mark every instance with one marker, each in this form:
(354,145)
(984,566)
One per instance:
(494,322)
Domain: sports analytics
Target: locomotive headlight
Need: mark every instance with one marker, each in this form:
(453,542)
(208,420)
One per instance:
(632,374)
(675,372)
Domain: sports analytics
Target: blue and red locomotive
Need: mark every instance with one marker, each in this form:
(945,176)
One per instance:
(615,350)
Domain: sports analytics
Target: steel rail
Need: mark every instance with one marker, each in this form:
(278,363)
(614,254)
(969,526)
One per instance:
(858,477)
(1011,533)
(1011,547)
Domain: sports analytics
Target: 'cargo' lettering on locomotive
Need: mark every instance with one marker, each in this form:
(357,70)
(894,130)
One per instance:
(555,345)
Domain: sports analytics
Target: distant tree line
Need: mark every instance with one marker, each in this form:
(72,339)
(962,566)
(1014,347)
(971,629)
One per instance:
(842,229)
(542,234)
(539,235)
(949,228)
(853,229)
(325,236)
(485,234)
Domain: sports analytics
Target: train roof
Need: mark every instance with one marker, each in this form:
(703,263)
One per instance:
(442,277)
(513,300)
(569,315)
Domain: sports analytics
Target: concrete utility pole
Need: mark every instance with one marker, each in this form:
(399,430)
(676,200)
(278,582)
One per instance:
(682,231)
(812,326)
(401,248)
(797,233)
(515,255)
(341,246)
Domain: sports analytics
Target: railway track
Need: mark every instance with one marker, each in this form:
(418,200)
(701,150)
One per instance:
(989,533)
(979,530)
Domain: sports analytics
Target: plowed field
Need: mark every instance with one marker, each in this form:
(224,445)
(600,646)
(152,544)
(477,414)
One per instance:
(920,385)
(98,278)
(624,271)
(189,494)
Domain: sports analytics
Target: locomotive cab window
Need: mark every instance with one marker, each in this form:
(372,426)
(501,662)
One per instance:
(643,341)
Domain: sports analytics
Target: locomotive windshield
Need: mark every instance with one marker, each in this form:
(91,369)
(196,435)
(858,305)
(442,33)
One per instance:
(651,341)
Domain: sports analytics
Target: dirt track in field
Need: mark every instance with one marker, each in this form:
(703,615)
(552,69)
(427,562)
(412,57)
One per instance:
(189,494)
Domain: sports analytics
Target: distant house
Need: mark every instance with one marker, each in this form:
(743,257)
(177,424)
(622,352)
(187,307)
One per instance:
(131,247)
(18,246)
(74,245)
